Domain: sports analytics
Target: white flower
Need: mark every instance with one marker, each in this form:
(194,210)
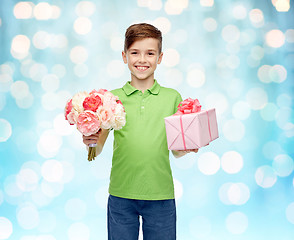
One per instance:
(119,118)
(77,101)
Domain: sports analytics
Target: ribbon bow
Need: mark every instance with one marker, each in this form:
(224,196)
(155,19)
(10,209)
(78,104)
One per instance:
(187,106)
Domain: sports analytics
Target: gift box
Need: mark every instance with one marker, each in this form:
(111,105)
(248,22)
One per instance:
(191,131)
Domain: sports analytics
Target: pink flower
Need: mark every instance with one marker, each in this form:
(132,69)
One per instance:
(68,108)
(189,105)
(92,103)
(105,114)
(100,91)
(109,101)
(88,123)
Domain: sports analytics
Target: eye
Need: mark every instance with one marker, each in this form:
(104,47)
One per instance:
(133,53)
(151,53)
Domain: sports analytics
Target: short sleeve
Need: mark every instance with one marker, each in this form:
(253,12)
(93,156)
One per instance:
(177,101)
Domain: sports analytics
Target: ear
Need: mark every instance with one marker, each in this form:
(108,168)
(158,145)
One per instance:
(160,58)
(124,57)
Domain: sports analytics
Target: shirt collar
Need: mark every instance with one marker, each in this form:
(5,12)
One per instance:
(129,89)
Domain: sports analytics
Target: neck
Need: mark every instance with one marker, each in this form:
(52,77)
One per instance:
(143,84)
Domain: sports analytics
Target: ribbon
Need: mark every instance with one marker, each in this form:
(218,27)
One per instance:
(182,131)
(187,106)
(209,126)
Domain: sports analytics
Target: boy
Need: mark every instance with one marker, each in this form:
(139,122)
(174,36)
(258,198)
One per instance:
(141,180)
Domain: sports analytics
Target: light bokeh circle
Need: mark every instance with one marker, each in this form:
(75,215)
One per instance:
(283,165)
(237,223)
(19,89)
(5,129)
(232,162)
(210,24)
(234,193)
(239,11)
(238,193)
(275,38)
(6,228)
(85,8)
(257,98)
(241,110)
(23,10)
(231,33)
(27,180)
(28,217)
(234,130)
(52,170)
(82,25)
(268,113)
(78,54)
(196,78)
(78,231)
(171,57)
(265,176)
(208,163)
(49,143)
(218,101)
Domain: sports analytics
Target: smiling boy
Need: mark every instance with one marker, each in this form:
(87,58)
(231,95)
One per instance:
(141,182)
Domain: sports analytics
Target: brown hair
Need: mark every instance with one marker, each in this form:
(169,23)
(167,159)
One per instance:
(140,31)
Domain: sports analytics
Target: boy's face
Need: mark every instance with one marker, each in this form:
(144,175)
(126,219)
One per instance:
(142,58)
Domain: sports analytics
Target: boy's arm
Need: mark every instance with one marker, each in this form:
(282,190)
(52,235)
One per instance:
(98,138)
(181,153)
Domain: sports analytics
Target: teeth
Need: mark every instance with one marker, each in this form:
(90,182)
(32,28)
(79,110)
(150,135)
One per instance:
(142,68)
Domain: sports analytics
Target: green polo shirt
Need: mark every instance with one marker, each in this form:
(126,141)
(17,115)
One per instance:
(140,163)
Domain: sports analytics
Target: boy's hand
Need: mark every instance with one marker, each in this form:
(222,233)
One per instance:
(181,153)
(189,150)
(92,139)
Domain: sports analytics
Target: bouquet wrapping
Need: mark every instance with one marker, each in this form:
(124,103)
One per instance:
(95,110)
(190,127)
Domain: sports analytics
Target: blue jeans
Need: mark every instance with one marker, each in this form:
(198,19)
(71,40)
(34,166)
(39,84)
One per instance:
(158,219)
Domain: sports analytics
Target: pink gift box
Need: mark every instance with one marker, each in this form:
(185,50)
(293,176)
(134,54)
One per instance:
(191,131)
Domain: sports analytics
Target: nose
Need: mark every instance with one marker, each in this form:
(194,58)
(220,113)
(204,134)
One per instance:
(142,58)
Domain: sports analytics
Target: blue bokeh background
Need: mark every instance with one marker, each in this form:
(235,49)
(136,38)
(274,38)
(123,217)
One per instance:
(235,56)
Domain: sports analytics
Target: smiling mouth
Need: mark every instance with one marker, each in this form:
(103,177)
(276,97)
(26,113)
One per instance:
(142,68)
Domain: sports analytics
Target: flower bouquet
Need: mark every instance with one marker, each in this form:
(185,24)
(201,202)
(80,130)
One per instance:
(93,111)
